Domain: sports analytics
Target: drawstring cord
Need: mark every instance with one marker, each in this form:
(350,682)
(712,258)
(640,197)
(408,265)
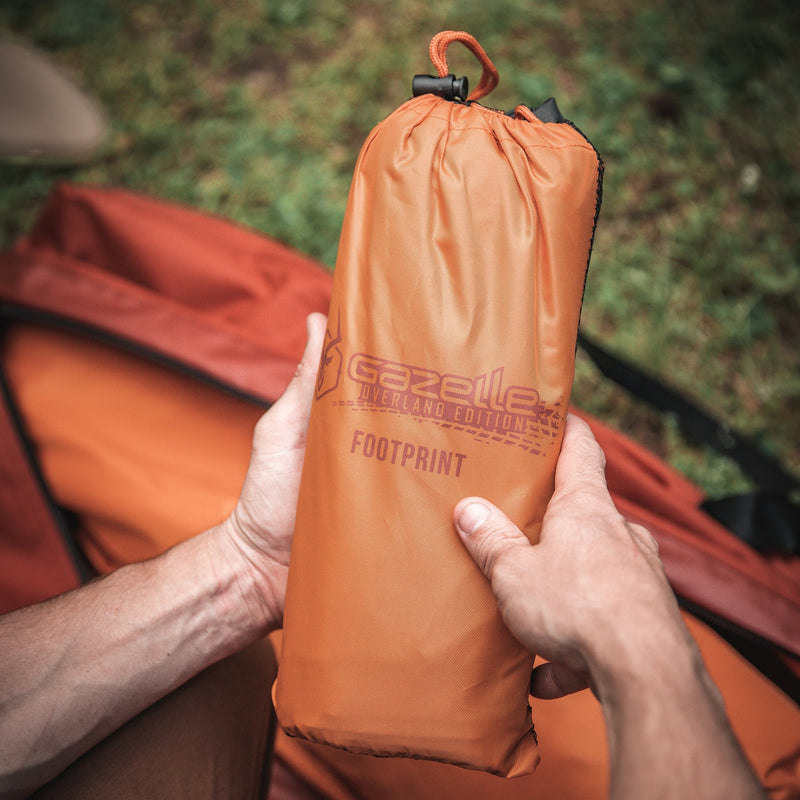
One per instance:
(438,53)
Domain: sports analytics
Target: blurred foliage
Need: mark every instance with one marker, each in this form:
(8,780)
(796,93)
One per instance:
(256,109)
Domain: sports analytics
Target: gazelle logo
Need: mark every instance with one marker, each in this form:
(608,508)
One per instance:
(483,405)
(330,365)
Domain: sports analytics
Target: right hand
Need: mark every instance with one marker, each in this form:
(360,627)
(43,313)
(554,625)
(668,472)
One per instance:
(591,597)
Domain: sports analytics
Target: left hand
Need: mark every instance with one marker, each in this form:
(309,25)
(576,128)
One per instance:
(261,526)
(79,666)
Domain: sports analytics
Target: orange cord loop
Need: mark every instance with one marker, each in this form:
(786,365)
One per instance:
(438,52)
(523,112)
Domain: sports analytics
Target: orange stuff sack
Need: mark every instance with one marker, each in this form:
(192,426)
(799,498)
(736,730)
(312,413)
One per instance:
(446,371)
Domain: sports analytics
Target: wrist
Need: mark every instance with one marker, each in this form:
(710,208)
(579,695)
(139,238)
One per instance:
(249,585)
(656,656)
(668,731)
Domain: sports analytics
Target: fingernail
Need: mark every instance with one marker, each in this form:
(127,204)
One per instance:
(472,517)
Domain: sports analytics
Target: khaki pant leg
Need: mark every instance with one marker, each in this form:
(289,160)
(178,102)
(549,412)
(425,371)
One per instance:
(211,738)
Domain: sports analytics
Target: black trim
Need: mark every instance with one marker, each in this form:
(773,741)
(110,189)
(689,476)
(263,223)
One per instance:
(63,519)
(761,653)
(550,112)
(57,514)
(772,521)
(53,320)
(765,470)
(597,203)
(769,519)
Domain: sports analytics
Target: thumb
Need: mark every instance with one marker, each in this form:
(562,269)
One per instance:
(488,535)
(508,560)
(305,376)
(290,412)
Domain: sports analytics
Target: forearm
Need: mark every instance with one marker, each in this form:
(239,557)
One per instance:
(668,732)
(593,599)
(77,667)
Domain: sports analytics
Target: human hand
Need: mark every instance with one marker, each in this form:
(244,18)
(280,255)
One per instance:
(260,528)
(591,597)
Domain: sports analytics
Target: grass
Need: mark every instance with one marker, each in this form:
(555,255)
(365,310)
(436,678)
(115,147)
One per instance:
(256,110)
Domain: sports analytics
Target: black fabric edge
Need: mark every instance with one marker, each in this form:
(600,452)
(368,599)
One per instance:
(762,654)
(58,515)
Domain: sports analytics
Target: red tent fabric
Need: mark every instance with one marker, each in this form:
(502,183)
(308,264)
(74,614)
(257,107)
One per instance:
(141,342)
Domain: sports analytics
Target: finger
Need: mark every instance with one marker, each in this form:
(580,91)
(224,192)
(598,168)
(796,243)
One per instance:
(644,538)
(550,681)
(487,533)
(582,459)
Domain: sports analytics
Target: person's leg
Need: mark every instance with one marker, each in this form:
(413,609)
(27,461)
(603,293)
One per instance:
(211,738)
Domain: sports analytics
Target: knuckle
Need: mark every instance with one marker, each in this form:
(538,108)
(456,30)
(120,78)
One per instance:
(644,536)
(592,455)
(497,549)
(585,503)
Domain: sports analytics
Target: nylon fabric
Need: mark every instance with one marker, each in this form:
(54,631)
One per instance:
(30,536)
(642,485)
(446,372)
(220,299)
(573,745)
(131,445)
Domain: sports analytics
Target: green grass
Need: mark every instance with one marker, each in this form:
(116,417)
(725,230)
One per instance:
(256,111)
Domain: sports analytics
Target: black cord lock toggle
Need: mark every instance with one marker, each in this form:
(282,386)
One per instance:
(448,88)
